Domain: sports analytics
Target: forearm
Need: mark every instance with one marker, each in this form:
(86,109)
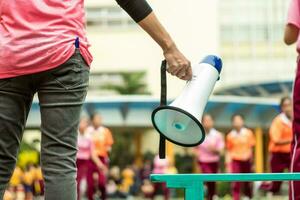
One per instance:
(96,160)
(141,12)
(283,142)
(154,28)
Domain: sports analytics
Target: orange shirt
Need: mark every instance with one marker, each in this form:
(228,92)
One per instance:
(28,177)
(15,180)
(38,173)
(239,145)
(280,130)
(102,139)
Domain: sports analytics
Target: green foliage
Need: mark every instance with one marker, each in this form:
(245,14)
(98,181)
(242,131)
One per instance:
(132,83)
(223,189)
(27,154)
(26,147)
(184,163)
(122,151)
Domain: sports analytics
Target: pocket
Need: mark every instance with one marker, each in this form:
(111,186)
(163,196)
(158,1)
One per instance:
(73,73)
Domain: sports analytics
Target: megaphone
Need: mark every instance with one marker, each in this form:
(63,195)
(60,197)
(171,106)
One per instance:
(179,122)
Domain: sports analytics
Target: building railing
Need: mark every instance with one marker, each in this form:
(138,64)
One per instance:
(194,183)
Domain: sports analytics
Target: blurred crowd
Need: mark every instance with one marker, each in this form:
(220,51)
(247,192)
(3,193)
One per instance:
(237,147)
(102,181)
(25,183)
(98,180)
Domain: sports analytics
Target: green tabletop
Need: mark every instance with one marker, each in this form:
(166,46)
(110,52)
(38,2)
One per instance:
(193,183)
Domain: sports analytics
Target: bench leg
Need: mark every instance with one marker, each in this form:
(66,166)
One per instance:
(195,191)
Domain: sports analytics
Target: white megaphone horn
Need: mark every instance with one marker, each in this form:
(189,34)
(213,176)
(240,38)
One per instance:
(179,122)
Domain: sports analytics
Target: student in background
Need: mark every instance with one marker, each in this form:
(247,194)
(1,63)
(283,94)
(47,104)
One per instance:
(28,180)
(85,154)
(239,144)
(291,36)
(16,180)
(209,152)
(38,185)
(281,135)
(161,166)
(102,141)
(128,180)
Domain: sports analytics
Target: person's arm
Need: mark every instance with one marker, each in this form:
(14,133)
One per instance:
(98,162)
(291,34)
(293,23)
(276,134)
(220,144)
(283,142)
(178,65)
(109,140)
(252,139)
(95,158)
(228,143)
(141,12)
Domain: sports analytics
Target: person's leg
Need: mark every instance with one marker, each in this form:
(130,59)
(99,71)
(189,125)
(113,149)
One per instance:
(277,165)
(210,168)
(236,186)
(81,173)
(156,187)
(295,151)
(28,192)
(61,93)
(15,101)
(205,169)
(166,191)
(287,161)
(215,169)
(102,184)
(102,180)
(246,168)
(92,168)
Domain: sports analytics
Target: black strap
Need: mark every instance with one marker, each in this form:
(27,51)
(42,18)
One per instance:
(163,102)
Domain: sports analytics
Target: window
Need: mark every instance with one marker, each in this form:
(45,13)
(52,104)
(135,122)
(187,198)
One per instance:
(247,28)
(108,17)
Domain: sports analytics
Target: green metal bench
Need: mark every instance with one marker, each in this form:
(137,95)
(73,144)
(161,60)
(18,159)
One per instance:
(193,183)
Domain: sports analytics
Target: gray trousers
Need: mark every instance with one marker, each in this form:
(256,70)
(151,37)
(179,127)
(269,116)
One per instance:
(61,92)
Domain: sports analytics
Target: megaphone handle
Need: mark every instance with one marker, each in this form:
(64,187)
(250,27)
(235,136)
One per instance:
(163,102)
(163,92)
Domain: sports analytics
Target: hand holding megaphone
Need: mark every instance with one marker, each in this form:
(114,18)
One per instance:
(177,64)
(179,121)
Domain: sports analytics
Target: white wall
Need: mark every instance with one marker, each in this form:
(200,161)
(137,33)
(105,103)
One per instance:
(192,24)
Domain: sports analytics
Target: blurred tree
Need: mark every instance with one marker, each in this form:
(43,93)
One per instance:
(132,83)
(122,151)
(28,154)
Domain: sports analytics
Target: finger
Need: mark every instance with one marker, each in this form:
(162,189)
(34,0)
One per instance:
(181,73)
(189,74)
(173,69)
(189,64)
(183,69)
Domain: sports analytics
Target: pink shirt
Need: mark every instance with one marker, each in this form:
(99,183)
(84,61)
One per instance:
(37,35)
(294,16)
(214,140)
(85,147)
(160,165)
